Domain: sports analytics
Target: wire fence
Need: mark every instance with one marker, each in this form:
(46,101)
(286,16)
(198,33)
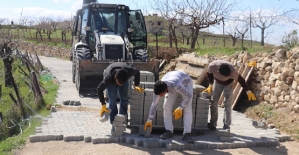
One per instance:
(20,90)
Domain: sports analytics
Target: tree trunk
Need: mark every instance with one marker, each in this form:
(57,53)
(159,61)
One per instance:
(263,36)
(170,36)
(194,38)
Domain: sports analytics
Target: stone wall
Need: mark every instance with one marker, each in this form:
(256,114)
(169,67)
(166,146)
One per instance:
(45,50)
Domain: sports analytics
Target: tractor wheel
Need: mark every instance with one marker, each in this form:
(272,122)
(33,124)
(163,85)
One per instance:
(77,77)
(73,70)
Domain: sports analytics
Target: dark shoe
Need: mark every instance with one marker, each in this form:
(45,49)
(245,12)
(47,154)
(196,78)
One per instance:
(167,134)
(211,127)
(188,138)
(226,127)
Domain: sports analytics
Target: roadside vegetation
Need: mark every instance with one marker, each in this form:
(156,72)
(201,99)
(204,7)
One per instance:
(14,130)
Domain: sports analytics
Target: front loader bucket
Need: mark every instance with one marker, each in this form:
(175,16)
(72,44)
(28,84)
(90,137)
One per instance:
(90,76)
(91,73)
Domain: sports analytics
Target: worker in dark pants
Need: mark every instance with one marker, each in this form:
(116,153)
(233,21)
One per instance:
(221,75)
(116,80)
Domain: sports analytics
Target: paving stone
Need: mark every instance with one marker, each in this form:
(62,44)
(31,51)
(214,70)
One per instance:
(49,138)
(120,128)
(97,140)
(225,138)
(261,143)
(213,145)
(105,116)
(68,138)
(116,133)
(162,143)
(226,146)
(250,144)
(239,144)
(150,143)
(120,118)
(112,139)
(87,139)
(34,138)
(260,124)
(130,140)
(200,145)
(139,141)
(53,109)
(146,133)
(205,95)
(222,132)
(116,123)
(188,146)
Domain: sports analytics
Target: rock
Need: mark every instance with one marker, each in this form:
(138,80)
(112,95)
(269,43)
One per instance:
(289,80)
(271,126)
(296,108)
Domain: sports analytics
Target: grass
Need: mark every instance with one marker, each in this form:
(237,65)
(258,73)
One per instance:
(16,141)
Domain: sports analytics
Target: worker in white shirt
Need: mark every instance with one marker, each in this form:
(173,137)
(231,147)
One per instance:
(172,84)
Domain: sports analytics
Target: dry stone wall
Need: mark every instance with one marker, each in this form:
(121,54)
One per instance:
(45,50)
(275,79)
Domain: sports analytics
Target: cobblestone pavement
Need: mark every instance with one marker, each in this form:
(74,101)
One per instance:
(80,123)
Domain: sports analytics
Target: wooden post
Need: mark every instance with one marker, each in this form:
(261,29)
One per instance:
(38,92)
(39,62)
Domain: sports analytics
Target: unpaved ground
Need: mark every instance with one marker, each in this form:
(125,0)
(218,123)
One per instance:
(82,148)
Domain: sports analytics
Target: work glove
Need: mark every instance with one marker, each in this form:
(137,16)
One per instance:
(252,64)
(103,109)
(141,90)
(148,123)
(209,89)
(250,95)
(178,113)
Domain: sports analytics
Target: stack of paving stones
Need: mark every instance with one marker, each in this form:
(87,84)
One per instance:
(201,111)
(224,135)
(118,126)
(141,102)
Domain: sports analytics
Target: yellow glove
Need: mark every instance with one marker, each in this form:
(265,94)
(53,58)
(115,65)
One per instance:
(252,64)
(148,123)
(103,109)
(250,95)
(209,89)
(178,113)
(141,90)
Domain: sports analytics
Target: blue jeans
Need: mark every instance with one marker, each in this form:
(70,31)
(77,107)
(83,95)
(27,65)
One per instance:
(112,91)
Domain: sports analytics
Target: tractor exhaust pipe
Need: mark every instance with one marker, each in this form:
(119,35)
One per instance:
(88,1)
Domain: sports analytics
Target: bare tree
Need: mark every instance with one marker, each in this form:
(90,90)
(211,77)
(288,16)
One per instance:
(242,30)
(233,34)
(264,19)
(167,10)
(202,14)
(65,24)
